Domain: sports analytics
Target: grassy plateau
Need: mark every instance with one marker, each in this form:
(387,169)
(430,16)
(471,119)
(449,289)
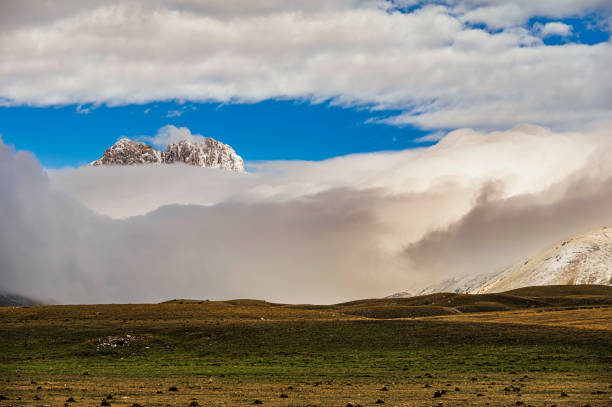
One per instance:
(538,346)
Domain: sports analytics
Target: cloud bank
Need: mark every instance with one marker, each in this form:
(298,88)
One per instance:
(351,227)
(370,53)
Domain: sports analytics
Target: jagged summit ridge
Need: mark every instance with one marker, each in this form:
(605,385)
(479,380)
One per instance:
(583,259)
(209,153)
(129,152)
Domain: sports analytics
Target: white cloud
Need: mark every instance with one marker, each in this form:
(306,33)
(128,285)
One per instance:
(172,134)
(174,113)
(353,52)
(553,29)
(431,137)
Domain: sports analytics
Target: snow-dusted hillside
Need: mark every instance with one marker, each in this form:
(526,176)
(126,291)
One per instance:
(209,153)
(584,259)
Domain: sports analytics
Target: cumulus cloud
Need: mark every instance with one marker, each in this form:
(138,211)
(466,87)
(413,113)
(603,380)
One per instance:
(172,134)
(552,29)
(357,226)
(351,52)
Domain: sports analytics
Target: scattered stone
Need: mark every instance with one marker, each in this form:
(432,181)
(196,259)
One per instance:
(39,388)
(172,388)
(283,396)
(105,403)
(115,341)
(474,379)
(159,392)
(85,373)
(598,392)
(438,393)
(384,388)
(379,401)
(289,387)
(519,403)
(192,404)
(109,397)
(480,395)
(36,398)
(257,402)
(3,397)
(564,394)
(457,389)
(427,385)
(71,400)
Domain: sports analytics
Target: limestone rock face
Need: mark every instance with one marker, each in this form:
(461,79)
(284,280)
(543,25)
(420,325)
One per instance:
(129,152)
(209,153)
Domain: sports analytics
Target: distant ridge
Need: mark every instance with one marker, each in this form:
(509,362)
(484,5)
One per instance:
(582,259)
(16,300)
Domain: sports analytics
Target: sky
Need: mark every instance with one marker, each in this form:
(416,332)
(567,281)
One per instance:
(295,79)
(388,144)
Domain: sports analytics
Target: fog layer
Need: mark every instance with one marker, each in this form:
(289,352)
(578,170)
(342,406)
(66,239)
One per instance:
(351,227)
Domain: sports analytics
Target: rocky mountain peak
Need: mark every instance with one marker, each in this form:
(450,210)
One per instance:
(209,153)
(129,152)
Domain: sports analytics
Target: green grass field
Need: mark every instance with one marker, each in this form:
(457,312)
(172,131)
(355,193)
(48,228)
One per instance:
(524,347)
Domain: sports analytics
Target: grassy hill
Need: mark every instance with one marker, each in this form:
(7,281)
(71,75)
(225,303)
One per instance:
(235,352)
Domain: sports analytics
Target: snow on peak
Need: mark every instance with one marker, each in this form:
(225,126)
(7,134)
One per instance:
(129,152)
(209,153)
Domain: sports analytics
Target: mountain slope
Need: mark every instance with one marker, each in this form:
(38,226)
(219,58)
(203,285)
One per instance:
(209,153)
(129,152)
(583,259)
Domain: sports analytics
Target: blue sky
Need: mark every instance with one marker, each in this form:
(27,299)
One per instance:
(270,130)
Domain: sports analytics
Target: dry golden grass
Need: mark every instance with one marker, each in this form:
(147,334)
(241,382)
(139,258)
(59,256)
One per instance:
(591,317)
